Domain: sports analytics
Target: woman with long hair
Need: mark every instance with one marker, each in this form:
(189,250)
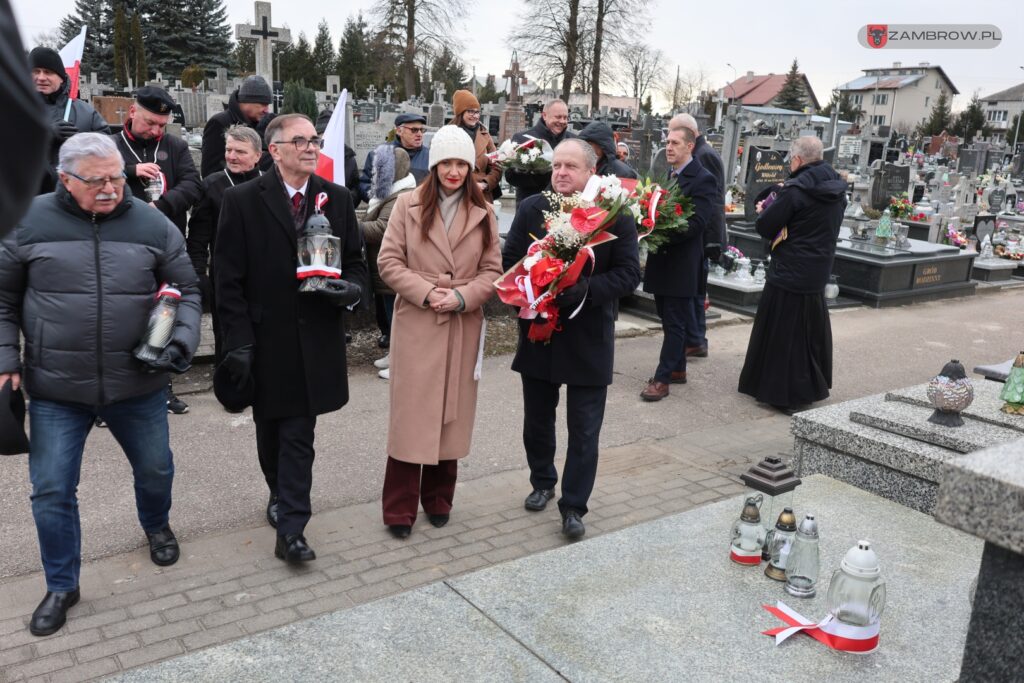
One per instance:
(440,255)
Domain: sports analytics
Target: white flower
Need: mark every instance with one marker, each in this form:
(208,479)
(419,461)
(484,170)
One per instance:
(531,261)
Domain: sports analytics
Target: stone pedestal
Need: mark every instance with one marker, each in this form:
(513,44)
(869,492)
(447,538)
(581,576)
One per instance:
(993,270)
(732,294)
(512,120)
(745,237)
(918,230)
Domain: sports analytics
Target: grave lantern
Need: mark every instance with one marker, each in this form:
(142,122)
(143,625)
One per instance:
(780,544)
(748,534)
(856,593)
(776,481)
(803,564)
(319,251)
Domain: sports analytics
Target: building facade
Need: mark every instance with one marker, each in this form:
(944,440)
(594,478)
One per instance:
(898,97)
(1000,109)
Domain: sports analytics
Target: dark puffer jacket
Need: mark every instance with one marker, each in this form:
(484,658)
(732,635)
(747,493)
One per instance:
(810,206)
(80,114)
(81,286)
(601,135)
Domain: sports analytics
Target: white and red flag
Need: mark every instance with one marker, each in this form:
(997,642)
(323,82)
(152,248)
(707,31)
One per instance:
(71,56)
(331,165)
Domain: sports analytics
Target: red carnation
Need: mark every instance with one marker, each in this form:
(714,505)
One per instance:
(647,223)
(679,210)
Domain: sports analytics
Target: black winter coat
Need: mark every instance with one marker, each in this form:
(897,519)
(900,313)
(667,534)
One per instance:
(171,153)
(81,114)
(810,206)
(677,268)
(214,136)
(299,339)
(529,184)
(202,223)
(710,160)
(583,352)
(602,135)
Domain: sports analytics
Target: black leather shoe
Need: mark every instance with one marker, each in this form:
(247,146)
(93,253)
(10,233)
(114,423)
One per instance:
(163,547)
(538,500)
(293,548)
(52,612)
(400,530)
(572,525)
(438,520)
(272,510)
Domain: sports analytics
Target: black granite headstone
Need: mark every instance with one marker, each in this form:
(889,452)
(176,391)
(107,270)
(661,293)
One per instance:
(983,225)
(889,181)
(996,199)
(766,167)
(994,648)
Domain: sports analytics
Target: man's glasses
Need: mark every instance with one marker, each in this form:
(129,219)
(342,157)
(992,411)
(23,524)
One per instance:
(302,144)
(99,183)
(415,131)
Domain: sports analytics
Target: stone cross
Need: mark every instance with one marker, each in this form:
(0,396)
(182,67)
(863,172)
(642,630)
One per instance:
(120,114)
(264,36)
(517,76)
(439,92)
(372,92)
(388,91)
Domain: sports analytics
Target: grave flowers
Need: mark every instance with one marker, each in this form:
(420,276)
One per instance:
(660,209)
(531,156)
(900,207)
(955,238)
(574,226)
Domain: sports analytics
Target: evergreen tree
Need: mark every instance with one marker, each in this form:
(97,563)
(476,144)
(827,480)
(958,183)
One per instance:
(940,118)
(138,48)
(324,62)
(98,16)
(448,70)
(120,47)
(792,94)
(1012,130)
(298,99)
(971,121)
(296,61)
(353,56)
(847,110)
(169,37)
(210,35)
(488,93)
(243,58)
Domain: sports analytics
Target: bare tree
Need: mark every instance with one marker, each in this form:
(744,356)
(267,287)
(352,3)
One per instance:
(421,27)
(548,38)
(639,67)
(51,39)
(613,20)
(686,88)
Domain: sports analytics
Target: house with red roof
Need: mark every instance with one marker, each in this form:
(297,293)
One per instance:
(763,91)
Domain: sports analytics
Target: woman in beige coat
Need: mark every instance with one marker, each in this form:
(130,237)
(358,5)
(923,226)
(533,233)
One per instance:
(441,256)
(486,173)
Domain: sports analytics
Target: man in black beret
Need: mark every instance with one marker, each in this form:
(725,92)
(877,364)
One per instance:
(249,106)
(159,169)
(66,116)
(409,130)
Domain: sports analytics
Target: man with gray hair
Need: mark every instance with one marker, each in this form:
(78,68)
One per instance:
(789,357)
(580,354)
(715,235)
(552,127)
(78,277)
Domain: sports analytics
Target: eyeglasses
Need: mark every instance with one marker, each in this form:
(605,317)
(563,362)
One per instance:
(302,144)
(418,130)
(99,183)
(471,112)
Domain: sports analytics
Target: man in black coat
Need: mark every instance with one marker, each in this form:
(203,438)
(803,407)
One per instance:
(674,273)
(159,167)
(553,127)
(249,106)
(579,355)
(715,236)
(602,140)
(290,344)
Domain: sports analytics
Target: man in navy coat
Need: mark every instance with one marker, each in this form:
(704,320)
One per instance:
(675,273)
(579,355)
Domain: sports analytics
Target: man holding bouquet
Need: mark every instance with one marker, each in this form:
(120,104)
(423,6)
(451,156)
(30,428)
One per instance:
(553,127)
(674,274)
(579,354)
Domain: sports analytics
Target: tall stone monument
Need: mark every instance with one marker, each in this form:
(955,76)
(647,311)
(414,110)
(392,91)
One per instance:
(435,116)
(513,118)
(264,36)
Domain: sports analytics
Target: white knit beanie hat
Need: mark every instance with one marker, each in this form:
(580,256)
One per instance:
(451,142)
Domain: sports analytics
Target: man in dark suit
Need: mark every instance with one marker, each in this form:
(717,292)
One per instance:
(715,235)
(675,272)
(290,344)
(579,355)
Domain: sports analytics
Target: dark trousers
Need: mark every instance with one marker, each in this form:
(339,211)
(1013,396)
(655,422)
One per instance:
(698,336)
(677,318)
(585,414)
(407,484)
(285,449)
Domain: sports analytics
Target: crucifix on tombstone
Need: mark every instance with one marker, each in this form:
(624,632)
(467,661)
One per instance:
(264,36)
(439,92)
(120,114)
(372,93)
(388,91)
(517,76)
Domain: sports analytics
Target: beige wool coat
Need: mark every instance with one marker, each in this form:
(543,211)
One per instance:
(433,355)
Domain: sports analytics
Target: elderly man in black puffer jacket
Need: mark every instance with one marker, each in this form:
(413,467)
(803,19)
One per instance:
(77,277)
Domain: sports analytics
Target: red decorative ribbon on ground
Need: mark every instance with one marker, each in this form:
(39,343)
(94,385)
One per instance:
(831,632)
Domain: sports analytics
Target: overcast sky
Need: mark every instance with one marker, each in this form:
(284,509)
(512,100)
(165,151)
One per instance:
(752,36)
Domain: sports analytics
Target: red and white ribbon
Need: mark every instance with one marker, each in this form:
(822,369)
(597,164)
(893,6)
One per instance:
(302,272)
(168,291)
(745,556)
(829,631)
(321,199)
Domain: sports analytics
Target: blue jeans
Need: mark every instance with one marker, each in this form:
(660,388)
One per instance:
(58,432)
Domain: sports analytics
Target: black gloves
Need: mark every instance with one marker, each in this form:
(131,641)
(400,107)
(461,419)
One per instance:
(573,296)
(62,130)
(341,292)
(713,252)
(238,363)
(171,359)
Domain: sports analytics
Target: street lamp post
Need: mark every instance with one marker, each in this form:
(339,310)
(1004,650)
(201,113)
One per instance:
(733,84)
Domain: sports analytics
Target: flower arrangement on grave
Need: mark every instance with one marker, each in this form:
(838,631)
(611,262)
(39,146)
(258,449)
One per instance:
(1013,389)
(659,207)
(900,207)
(531,156)
(954,237)
(553,263)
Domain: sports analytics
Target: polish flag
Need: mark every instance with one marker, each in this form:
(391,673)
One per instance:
(71,55)
(332,154)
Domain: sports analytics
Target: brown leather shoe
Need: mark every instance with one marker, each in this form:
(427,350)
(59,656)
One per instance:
(696,352)
(655,390)
(678,378)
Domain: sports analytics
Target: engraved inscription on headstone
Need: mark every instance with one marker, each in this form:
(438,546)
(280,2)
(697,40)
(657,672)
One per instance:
(365,137)
(889,181)
(766,167)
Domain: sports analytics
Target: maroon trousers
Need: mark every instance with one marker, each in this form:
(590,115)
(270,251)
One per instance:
(407,484)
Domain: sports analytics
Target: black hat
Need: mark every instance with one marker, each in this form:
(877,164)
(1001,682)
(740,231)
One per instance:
(155,99)
(255,89)
(403,119)
(12,421)
(47,58)
(233,399)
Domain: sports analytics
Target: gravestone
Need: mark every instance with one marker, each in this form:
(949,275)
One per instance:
(113,109)
(388,92)
(971,160)
(849,147)
(366,112)
(219,84)
(984,225)
(435,117)
(366,136)
(659,165)
(829,155)
(334,86)
(890,180)
(766,167)
(996,199)
(193,106)
(717,142)
(264,35)
(513,118)
(648,138)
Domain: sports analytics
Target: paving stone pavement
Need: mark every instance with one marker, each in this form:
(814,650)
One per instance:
(229,585)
